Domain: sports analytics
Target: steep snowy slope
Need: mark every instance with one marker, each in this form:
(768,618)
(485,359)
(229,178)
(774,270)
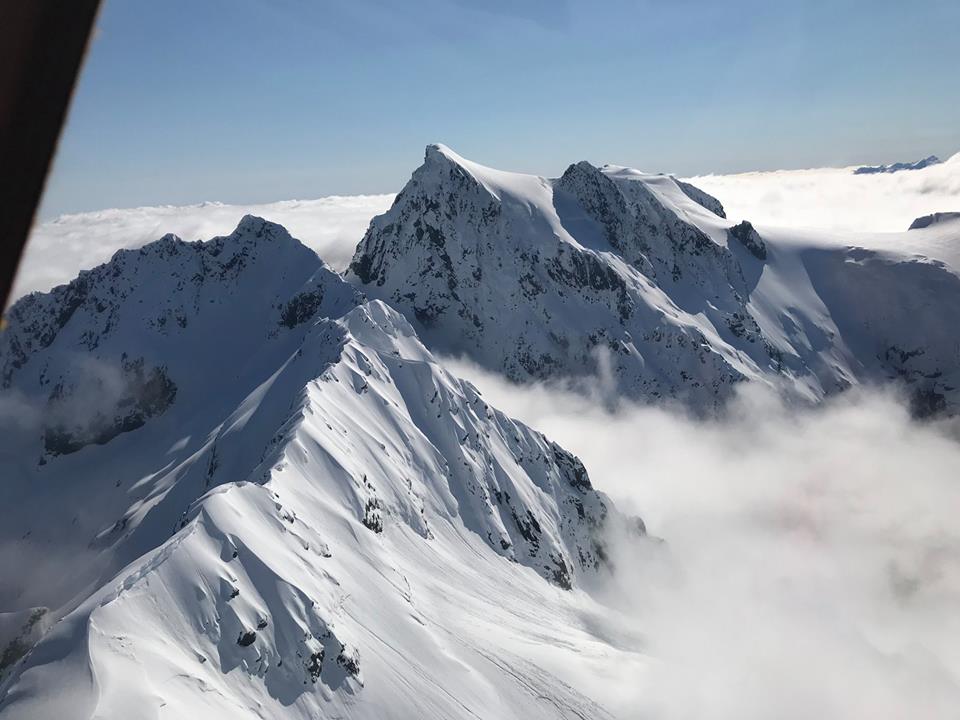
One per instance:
(608,271)
(268,500)
(173,337)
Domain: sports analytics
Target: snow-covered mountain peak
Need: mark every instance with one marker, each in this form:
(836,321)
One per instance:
(573,259)
(440,153)
(160,320)
(611,271)
(439,161)
(173,346)
(265,486)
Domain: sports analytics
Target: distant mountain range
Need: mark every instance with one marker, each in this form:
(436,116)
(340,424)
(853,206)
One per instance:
(897,167)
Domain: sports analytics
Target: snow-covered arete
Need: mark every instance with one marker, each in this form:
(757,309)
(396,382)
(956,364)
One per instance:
(269,500)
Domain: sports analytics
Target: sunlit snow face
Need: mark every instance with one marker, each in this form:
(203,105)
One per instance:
(811,564)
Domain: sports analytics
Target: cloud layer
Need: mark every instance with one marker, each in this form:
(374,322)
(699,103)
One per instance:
(811,563)
(835,199)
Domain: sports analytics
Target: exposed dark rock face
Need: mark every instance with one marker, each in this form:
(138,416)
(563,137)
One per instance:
(314,665)
(928,220)
(746,235)
(301,308)
(702,198)
(927,403)
(20,644)
(560,574)
(372,517)
(349,660)
(92,413)
(572,468)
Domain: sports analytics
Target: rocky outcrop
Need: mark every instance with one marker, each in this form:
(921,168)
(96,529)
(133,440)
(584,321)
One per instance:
(98,406)
(746,235)
(933,219)
(702,198)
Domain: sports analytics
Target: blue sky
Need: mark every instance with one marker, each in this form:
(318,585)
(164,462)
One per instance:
(182,101)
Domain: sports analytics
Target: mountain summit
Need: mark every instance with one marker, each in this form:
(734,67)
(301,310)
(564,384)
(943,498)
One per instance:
(239,485)
(642,279)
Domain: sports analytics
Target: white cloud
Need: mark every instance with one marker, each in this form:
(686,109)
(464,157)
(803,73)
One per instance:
(835,199)
(811,564)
